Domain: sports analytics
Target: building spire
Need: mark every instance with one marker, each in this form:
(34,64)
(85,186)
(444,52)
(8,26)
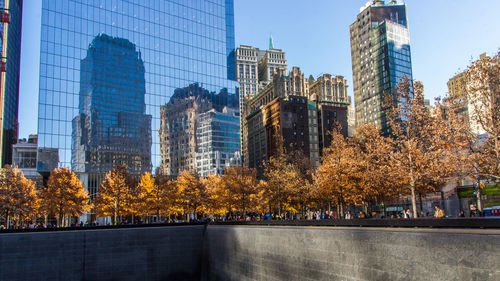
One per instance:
(271,44)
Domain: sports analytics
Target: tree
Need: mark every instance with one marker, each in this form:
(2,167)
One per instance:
(373,153)
(474,117)
(218,202)
(172,203)
(483,96)
(277,172)
(422,145)
(192,192)
(338,176)
(157,196)
(242,188)
(17,194)
(64,195)
(300,182)
(116,195)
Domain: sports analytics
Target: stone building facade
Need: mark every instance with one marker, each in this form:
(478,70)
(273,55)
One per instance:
(254,70)
(294,113)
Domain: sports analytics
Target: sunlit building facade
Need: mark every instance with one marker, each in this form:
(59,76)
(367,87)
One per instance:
(152,47)
(380,53)
(254,70)
(292,114)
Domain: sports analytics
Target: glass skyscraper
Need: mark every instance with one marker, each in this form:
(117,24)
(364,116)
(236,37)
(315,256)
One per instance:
(106,68)
(380,52)
(111,127)
(10,57)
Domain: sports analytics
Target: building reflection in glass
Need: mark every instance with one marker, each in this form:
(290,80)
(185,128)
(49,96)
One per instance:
(111,127)
(180,119)
(180,42)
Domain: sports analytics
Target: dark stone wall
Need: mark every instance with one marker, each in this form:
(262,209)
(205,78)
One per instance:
(320,253)
(252,253)
(153,253)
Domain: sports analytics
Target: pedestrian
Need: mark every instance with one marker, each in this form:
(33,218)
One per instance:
(439,213)
(474,212)
(348,215)
(462,214)
(407,214)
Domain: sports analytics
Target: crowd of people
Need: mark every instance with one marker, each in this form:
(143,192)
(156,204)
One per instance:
(237,217)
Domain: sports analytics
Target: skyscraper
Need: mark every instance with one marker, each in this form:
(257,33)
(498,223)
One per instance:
(111,127)
(380,52)
(254,70)
(10,49)
(148,49)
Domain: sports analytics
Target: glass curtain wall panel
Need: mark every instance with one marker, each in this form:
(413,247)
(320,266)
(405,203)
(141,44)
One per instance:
(107,67)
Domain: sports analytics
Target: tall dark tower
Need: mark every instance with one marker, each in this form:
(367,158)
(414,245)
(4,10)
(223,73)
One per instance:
(10,49)
(380,52)
(112,126)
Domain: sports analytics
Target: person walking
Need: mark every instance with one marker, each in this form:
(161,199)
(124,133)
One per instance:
(407,214)
(439,213)
(348,215)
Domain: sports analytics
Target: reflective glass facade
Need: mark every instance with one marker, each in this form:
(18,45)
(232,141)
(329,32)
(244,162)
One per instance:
(10,34)
(111,127)
(107,66)
(218,137)
(381,57)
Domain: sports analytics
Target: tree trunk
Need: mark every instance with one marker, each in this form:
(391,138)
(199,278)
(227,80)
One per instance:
(421,204)
(384,213)
(478,197)
(341,204)
(8,219)
(116,212)
(413,199)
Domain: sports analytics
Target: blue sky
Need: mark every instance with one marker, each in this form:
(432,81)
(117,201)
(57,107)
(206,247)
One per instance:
(445,36)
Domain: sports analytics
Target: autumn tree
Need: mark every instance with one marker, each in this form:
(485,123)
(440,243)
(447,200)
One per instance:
(421,155)
(192,192)
(116,195)
(474,114)
(64,196)
(300,182)
(242,188)
(339,174)
(373,154)
(17,194)
(483,96)
(169,190)
(218,202)
(157,196)
(277,172)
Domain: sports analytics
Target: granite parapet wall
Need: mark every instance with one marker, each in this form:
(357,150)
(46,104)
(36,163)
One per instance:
(153,253)
(251,252)
(325,253)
